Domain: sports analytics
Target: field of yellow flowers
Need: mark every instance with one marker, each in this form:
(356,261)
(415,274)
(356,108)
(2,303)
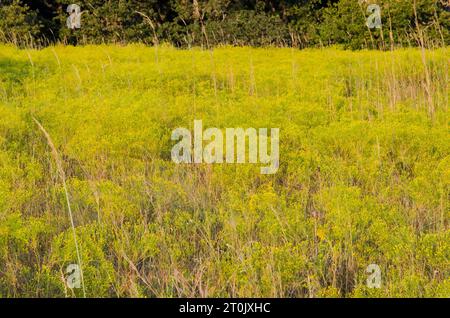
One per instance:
(364,175)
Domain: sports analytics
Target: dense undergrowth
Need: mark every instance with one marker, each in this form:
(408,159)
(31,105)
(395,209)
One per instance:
(364,173)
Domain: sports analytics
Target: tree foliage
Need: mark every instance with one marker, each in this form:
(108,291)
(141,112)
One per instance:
(207,23)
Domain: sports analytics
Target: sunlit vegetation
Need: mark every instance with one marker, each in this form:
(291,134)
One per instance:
(364,172)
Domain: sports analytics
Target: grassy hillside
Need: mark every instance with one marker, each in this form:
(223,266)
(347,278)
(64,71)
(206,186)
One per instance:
(364,173)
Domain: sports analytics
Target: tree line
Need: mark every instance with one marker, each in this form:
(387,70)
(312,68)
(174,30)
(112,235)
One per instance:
(208,23)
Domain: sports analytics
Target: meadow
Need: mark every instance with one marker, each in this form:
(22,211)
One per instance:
(364,175)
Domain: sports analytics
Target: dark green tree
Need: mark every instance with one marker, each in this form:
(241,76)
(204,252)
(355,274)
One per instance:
(18,23)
